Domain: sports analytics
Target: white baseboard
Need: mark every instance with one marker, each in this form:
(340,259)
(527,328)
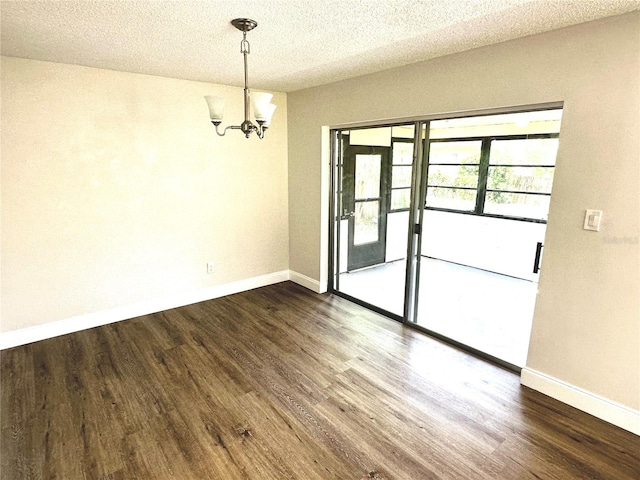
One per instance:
(23,336)
(600,407)
(306,282)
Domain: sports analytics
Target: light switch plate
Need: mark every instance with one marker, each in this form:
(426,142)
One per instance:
(592,219)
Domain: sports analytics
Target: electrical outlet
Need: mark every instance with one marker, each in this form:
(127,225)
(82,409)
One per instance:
(210,267)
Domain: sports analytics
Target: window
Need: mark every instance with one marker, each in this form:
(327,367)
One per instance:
(367,198)
(453,174)
(495,165)
(506,176)
(498,175)
(401,166)
(519,177)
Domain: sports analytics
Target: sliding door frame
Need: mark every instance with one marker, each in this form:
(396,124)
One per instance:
(416,215)
(416,211)
(336,209)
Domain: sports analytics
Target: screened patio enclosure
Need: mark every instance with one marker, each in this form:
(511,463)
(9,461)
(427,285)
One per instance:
(439,223)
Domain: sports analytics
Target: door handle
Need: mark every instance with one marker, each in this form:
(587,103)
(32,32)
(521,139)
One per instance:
(536,262)
(346,214)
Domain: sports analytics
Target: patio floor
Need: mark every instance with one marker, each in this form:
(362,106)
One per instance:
(483,310)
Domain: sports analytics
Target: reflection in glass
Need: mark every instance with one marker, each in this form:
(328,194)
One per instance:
(400,198)
(521,179)
(532,151)
(367,176)
(402,153)
(366,222)
(465,152)
(452,198)
(521,123)
(401,176)
(453,176)
(517,205)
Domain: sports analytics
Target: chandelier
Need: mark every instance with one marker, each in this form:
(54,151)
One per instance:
(261,102)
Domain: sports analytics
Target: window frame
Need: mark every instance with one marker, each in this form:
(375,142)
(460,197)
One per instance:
(391,165)
(478,165)
(483,175)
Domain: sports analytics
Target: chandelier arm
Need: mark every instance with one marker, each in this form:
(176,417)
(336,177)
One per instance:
(232,127)
(260,129)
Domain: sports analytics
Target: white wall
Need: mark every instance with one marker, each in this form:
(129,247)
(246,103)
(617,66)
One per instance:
(494,244)
(397,236)
(586,332)
(116,191)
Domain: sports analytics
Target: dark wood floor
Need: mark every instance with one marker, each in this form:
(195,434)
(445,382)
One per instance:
(280,383)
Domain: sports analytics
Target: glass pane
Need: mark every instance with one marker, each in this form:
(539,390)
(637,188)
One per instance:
(379,284)
(521,179)
(536,151)
(371,137)
(467,152)
(406,132)
(452,198)
(366,222)
(367,176)
(400,198)
(543,121)
(401,177)
(517,205)
(402,153)
(453,175)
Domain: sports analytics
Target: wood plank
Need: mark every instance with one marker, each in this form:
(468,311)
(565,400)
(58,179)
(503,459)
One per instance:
(281,383)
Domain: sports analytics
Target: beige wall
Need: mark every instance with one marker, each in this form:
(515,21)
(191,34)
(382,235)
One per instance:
(116,190)
(587,320)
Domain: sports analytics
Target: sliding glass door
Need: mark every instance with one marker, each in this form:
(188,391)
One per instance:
(438,224)
(372,193)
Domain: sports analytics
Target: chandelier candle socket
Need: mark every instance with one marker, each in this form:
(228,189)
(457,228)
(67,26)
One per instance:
(260,102)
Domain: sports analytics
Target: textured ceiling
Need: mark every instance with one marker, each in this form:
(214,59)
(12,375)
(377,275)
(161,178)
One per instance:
(297,44)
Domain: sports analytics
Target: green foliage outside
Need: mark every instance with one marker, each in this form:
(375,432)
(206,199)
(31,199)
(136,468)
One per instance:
(500,177)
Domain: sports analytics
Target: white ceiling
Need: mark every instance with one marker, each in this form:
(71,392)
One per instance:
(297,43)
